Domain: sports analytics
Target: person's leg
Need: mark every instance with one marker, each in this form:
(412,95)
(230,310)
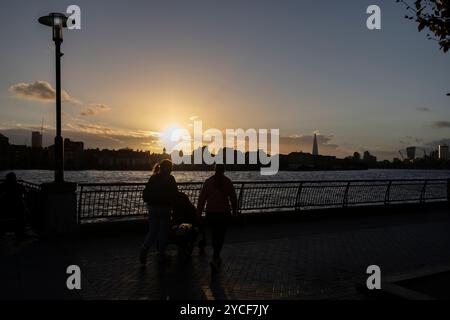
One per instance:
(219,232)
(163,230)
(215,237)
(153,225)
(218,225)
(153,222)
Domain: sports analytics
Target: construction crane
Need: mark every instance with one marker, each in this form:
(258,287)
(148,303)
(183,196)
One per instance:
(401,155)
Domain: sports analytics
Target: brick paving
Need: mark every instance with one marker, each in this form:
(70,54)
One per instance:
(321,259)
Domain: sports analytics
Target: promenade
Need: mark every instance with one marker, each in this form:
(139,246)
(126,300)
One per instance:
(316,259)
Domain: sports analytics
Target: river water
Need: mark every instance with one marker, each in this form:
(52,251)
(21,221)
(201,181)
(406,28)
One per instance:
(39,176)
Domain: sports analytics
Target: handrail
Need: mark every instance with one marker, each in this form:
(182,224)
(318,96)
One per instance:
(119,200)
(110,200)
(267,182)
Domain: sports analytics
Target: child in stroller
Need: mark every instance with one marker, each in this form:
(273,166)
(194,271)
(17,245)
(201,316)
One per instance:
(184,227)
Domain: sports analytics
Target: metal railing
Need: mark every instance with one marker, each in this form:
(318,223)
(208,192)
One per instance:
(33,202)
(105,201)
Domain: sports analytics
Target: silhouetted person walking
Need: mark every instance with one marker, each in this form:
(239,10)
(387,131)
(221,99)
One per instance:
(160,194)
(12,206)
(220,198)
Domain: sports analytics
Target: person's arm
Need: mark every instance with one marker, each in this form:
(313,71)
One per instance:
(233,198)
(175,184)
(147,190)
(173,190)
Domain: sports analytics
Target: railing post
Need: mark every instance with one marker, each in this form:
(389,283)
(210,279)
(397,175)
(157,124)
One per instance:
(298,204)
(80,200)
(345,200)
(448,190)
(388,193)
(241,192)
(422,192)
(60,208)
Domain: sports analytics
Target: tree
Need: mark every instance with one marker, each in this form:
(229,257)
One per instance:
(433,15)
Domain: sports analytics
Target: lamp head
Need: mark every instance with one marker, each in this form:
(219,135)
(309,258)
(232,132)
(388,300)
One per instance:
(57,21)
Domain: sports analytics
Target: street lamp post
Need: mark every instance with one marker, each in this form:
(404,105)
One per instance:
(57,21)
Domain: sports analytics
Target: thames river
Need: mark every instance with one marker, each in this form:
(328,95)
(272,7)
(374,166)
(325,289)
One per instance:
(39,176)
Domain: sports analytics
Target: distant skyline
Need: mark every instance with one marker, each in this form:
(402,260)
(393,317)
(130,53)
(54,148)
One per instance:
(138,68)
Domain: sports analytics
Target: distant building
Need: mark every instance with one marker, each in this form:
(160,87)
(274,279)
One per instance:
(19,156)
(4,148)
(123,159)
(434,155)
(367,157)
(315,150)
(443,152)
(356,156)
(73,154)
(3,140)
(36,140)
(411,153)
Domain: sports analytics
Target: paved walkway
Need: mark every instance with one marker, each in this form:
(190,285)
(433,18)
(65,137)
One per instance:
(320,259)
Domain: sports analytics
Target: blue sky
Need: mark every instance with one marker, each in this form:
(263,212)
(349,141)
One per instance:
(300,66)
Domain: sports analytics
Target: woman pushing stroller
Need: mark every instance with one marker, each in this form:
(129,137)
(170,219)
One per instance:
(160,195)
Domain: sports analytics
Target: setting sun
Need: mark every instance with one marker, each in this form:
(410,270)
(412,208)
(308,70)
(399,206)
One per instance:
(175,137)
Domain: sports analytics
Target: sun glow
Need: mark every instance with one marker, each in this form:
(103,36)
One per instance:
(175,137)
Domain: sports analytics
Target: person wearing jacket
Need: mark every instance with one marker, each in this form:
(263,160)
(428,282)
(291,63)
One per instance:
(219,196)
(159,194)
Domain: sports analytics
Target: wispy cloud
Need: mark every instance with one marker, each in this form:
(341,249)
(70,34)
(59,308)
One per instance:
(94,109)
(441,124)
(423,109)
(102,130)
(39,91)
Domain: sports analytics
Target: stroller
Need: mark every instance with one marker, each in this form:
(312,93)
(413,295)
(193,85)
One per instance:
(184,229)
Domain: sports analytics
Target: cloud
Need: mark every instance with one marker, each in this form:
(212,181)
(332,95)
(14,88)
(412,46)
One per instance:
(441,124)
(423,109)
(43,91)
(410,140)
(94,109)
(39,91)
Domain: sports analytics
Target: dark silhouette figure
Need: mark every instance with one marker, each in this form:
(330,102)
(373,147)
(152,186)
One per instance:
(219,195)
(12,206)
(183,211)
(160,195)
(184,226)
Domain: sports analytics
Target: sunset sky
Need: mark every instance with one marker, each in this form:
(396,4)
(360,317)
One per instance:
(137,68)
